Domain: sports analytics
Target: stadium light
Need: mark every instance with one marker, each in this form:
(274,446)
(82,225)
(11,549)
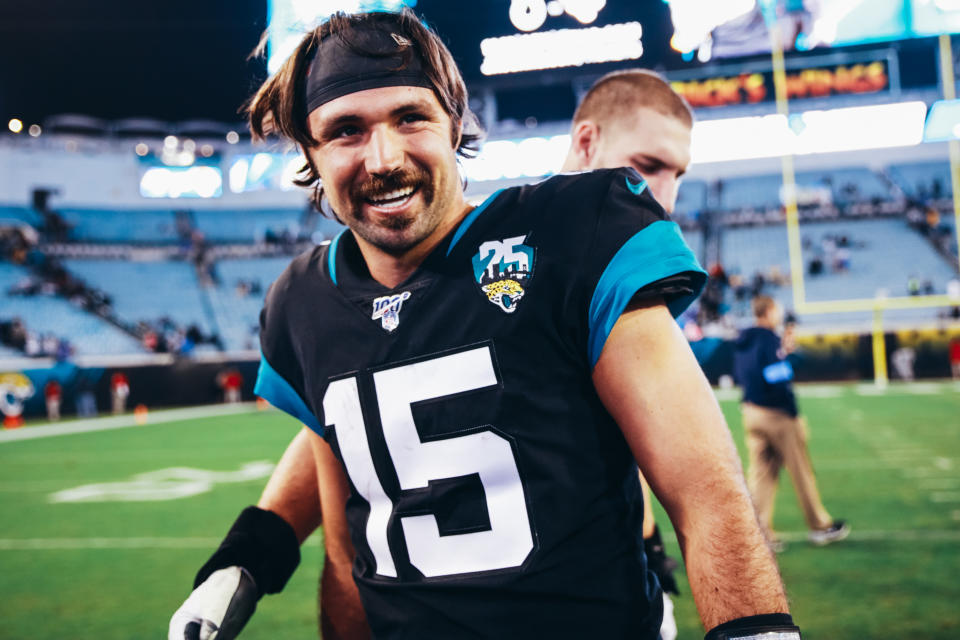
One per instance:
(821,131)
(141,149)
(15,125)
(561,48)
(233,137)
(34,130)
(194,182)
(943,123)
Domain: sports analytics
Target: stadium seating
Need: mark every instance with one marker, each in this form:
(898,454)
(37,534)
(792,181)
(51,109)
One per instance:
(246,226)
(19,214)
(237,309)
(89,334)
(917,179)
(112,226)
(147,291)
(692,197)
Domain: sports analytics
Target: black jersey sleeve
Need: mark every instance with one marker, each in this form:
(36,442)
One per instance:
(280,378)
(636,251)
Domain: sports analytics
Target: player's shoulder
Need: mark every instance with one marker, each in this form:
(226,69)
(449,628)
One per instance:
(303,271)
(598,193)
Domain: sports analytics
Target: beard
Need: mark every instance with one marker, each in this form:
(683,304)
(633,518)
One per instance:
(396,234)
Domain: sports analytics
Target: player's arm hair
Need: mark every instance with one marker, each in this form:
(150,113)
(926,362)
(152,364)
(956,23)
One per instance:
(653,387)
(292,492)
(341,611)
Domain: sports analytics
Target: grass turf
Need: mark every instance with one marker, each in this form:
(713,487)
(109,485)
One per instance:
(888,463)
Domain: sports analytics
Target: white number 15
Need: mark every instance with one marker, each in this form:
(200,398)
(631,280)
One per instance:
(508,542)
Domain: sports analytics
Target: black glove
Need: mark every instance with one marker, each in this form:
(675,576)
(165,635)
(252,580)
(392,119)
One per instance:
(258,556)
(756,627)
(660,563)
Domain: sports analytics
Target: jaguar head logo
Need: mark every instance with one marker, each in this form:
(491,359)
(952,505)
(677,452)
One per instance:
(504,293)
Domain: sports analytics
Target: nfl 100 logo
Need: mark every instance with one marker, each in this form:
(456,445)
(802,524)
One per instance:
(387,309)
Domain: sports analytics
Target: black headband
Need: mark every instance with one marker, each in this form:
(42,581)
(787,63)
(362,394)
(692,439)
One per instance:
(374,58)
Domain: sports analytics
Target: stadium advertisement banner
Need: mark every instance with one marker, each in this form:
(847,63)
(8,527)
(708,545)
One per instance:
(812,82)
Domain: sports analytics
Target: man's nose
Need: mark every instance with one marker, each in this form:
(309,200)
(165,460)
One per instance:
(384,153)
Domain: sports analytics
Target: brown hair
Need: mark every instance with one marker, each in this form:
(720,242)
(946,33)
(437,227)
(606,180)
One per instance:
(622,92)
(279,106)
(761,305)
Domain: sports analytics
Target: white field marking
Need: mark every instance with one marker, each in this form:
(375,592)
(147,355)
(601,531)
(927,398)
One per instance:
(862,464)
(922,388)
(892,455)
(940,483)
(119,422)
(162,484)
(943,463)
(727,394)
(945,496)
(29,544)
(70,544)
(893,535)
(869,390)
(820,391)
(920,472)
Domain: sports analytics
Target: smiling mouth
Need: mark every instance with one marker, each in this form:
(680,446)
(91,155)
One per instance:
(393,199)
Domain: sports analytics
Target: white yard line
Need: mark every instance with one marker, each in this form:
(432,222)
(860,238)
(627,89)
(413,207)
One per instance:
(30,544)
(895,535)
(71,544)
(120,422)
(940,483)
(945,496)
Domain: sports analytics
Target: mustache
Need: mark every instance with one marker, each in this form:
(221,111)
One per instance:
(401,179)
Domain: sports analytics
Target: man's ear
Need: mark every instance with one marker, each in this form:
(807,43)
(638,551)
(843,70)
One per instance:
(584,143)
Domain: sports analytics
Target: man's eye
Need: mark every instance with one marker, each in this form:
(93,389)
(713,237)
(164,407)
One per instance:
(346,132)
(410,118)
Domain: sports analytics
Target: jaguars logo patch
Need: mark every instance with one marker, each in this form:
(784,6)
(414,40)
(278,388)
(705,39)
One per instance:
(502,268)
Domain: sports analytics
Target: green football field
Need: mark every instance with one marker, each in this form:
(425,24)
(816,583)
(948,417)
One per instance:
(102,531)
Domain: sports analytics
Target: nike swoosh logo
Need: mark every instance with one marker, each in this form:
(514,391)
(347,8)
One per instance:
(638,188)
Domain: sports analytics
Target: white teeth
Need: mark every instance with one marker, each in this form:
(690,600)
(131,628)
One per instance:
(393,195)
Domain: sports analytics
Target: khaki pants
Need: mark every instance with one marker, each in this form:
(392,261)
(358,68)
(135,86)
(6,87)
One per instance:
(774,440)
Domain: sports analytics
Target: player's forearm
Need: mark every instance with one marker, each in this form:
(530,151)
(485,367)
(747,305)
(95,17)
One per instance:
(292,491)
(731,569)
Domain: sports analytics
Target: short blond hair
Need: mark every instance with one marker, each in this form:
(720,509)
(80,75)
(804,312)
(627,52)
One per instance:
(622,92)
(761,305)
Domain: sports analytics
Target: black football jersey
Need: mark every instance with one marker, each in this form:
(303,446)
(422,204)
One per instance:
(492,495)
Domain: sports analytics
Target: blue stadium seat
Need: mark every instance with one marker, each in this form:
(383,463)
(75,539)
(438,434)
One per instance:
(127,226)
(88,334)
(147,291)
(238,313)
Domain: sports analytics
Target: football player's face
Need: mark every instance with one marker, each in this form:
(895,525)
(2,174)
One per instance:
(387,164)
(656,145)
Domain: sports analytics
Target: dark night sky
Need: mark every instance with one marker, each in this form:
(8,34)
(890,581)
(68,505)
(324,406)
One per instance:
(173,60)
(187,59)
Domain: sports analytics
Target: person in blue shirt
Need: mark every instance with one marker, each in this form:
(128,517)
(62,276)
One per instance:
(776,434)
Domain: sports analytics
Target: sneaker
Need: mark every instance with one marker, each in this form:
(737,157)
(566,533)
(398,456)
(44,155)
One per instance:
(835,532)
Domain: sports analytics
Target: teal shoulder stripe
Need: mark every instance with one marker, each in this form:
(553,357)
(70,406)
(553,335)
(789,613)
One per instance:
(471,218)
(332,257)
(653,253)
(274,389)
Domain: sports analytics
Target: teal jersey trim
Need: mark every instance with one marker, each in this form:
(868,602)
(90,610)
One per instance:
(471,218)
(652,254)
(638,188)
(332,257)
(274,389)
